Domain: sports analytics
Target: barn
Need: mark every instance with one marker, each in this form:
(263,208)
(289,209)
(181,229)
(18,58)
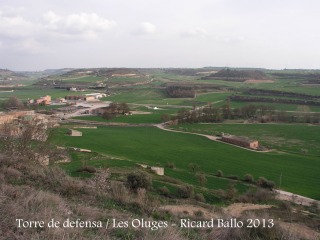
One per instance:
(240,141)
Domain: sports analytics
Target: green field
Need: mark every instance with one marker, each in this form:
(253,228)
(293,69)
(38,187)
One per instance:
(29,92)
(158,96)
(300,174)
(154,116)
(299,139)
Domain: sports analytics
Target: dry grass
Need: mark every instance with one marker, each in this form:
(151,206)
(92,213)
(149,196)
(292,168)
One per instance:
(32,192)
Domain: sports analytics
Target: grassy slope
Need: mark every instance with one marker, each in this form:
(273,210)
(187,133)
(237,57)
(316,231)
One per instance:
(300,174)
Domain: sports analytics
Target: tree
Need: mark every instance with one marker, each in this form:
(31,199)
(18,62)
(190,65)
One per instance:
(13,102)
(124,108)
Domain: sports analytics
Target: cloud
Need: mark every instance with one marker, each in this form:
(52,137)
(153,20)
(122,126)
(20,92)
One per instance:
(87,25)
(144,28)
(19,34)
(230,39)
(195,33)
(30,47)
(15,27)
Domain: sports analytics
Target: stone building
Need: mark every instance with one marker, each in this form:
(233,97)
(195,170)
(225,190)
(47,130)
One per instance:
(74,133)
(240,141)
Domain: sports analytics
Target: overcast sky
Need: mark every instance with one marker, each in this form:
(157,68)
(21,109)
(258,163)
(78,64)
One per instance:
(43,34)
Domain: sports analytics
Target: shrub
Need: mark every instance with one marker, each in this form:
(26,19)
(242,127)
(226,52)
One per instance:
(119,192)
(88,169)
(256,196)
(248,178)
(193,167)
(315,207)
(199,197)
(171,165)
(185,191)
(138,179)
(164,191)
(231,192)
(219,173)
(198,213)
(264,183)
(201,179)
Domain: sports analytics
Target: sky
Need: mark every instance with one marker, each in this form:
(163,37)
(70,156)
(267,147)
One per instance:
(50,34)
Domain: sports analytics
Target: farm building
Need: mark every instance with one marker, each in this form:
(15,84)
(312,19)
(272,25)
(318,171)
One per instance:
(74,133)
(73,98)
(60,100)
(86,97)
(96,95)
(46,100)
(240,141)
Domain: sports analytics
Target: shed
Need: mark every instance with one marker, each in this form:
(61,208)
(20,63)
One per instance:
(74,133)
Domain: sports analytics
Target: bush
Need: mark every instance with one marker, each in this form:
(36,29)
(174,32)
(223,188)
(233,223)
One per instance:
(256,196)
(264,183)
(201,179)
(164,191)
(88,169)
(199,197)
(171,165)
(185,191)
(219,173)
(198,213)
(248,178)
(119,192)
(193,167)
(138,179)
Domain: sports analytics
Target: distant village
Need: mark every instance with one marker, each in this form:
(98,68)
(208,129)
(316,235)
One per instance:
(71,105)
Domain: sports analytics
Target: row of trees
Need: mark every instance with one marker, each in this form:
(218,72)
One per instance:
(237,75)
(259,113)
(180,92)
(268,92)
(274,100)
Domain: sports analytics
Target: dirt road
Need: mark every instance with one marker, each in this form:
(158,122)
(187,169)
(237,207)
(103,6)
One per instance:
(298,199)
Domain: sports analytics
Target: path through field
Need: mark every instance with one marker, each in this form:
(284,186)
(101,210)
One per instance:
(298,199)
